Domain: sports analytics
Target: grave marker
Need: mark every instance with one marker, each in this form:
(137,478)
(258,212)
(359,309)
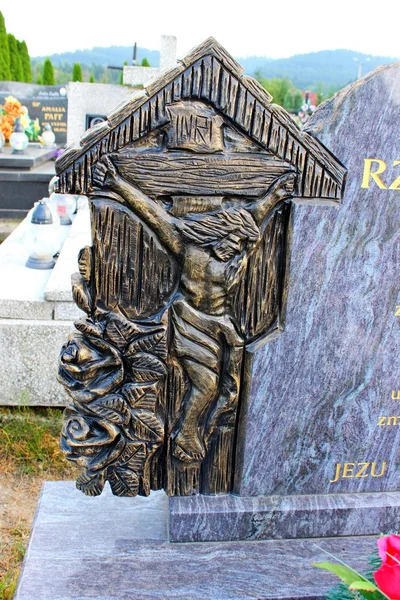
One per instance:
(316,448)
(190,188)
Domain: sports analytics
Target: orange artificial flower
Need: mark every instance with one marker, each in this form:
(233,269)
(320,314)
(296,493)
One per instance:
(6,125)
(12,106)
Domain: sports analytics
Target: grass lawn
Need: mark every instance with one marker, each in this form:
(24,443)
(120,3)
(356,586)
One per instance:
(29,455)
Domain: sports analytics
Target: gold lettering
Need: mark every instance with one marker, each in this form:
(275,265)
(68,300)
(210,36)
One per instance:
(375,174)
(363,468)
(392,420)
(381,421)
(347,468)
(52,117)
(382,470)
(397,313)
(394,397)
(396,183)
(53,108)
(337,473)
(348,472)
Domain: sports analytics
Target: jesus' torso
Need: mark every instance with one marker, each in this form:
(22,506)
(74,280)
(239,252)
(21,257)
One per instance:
(203,280)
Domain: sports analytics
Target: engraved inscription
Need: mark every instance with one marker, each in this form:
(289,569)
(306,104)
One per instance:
(357,470)
(373,169)
(385,421)
(395,394)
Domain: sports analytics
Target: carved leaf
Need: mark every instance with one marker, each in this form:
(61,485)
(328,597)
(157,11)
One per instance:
(81,293)
(123,481)
(147,402)
(146,426)
(112,408)
(120,331)
(141,395)
(89,328)
(134,455)
(85,263)
(89,484)
(146,367)
(160,349)
(146,343)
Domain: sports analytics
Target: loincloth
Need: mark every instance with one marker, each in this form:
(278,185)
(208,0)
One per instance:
(201,337)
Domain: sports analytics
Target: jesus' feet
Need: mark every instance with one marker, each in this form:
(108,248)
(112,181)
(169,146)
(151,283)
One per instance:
(188,447)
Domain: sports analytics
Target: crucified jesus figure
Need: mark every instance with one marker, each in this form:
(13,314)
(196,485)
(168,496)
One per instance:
(212,250)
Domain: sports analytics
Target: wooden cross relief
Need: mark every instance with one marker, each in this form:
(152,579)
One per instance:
(190,188)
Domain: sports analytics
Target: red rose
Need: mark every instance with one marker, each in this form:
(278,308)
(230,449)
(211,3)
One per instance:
(387,578)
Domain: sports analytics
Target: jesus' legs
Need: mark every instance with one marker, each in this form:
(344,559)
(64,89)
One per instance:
(189,445)
(206,347)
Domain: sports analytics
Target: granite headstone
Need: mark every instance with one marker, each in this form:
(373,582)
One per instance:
(321,429)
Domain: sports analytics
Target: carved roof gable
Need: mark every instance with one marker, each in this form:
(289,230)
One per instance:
(208,74)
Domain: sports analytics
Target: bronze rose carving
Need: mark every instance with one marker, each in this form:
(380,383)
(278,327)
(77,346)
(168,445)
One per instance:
(113,369)
(84,439)
(89,367)
(105,450)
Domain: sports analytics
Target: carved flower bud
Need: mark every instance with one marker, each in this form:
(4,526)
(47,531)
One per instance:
(89,367)
(89,441)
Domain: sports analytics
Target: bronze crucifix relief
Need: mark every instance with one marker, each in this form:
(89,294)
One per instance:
(191,201)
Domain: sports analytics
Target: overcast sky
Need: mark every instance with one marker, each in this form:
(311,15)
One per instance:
(272,28)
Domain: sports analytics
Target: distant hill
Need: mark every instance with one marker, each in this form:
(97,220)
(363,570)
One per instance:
(114,55)
(331,68)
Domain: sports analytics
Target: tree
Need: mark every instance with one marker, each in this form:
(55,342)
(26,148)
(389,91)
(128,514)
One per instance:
(16,70)
(145,63)
(25,60)
(297,100)
(91,78)
(278,88)
(288,103)
(39,79)
(5,72)
(48,73)
(77,72)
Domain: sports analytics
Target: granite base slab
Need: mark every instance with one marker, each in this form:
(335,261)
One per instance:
(228,518)
(34,156)
(112,548)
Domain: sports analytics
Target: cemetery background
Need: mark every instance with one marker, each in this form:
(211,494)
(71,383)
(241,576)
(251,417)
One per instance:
(47,472)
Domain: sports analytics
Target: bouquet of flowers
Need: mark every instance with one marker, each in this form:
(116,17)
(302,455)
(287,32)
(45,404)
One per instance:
(383,581)
(11,110)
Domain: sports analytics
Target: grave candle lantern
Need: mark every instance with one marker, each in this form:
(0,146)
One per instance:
(65,205)
(48,137)
(19,140)
(41,237)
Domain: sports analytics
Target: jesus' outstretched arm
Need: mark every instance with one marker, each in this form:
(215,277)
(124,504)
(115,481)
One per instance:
(155,216)
(280,191)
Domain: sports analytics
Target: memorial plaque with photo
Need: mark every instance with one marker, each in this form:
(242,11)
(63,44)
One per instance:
(92,120)
(48,103)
